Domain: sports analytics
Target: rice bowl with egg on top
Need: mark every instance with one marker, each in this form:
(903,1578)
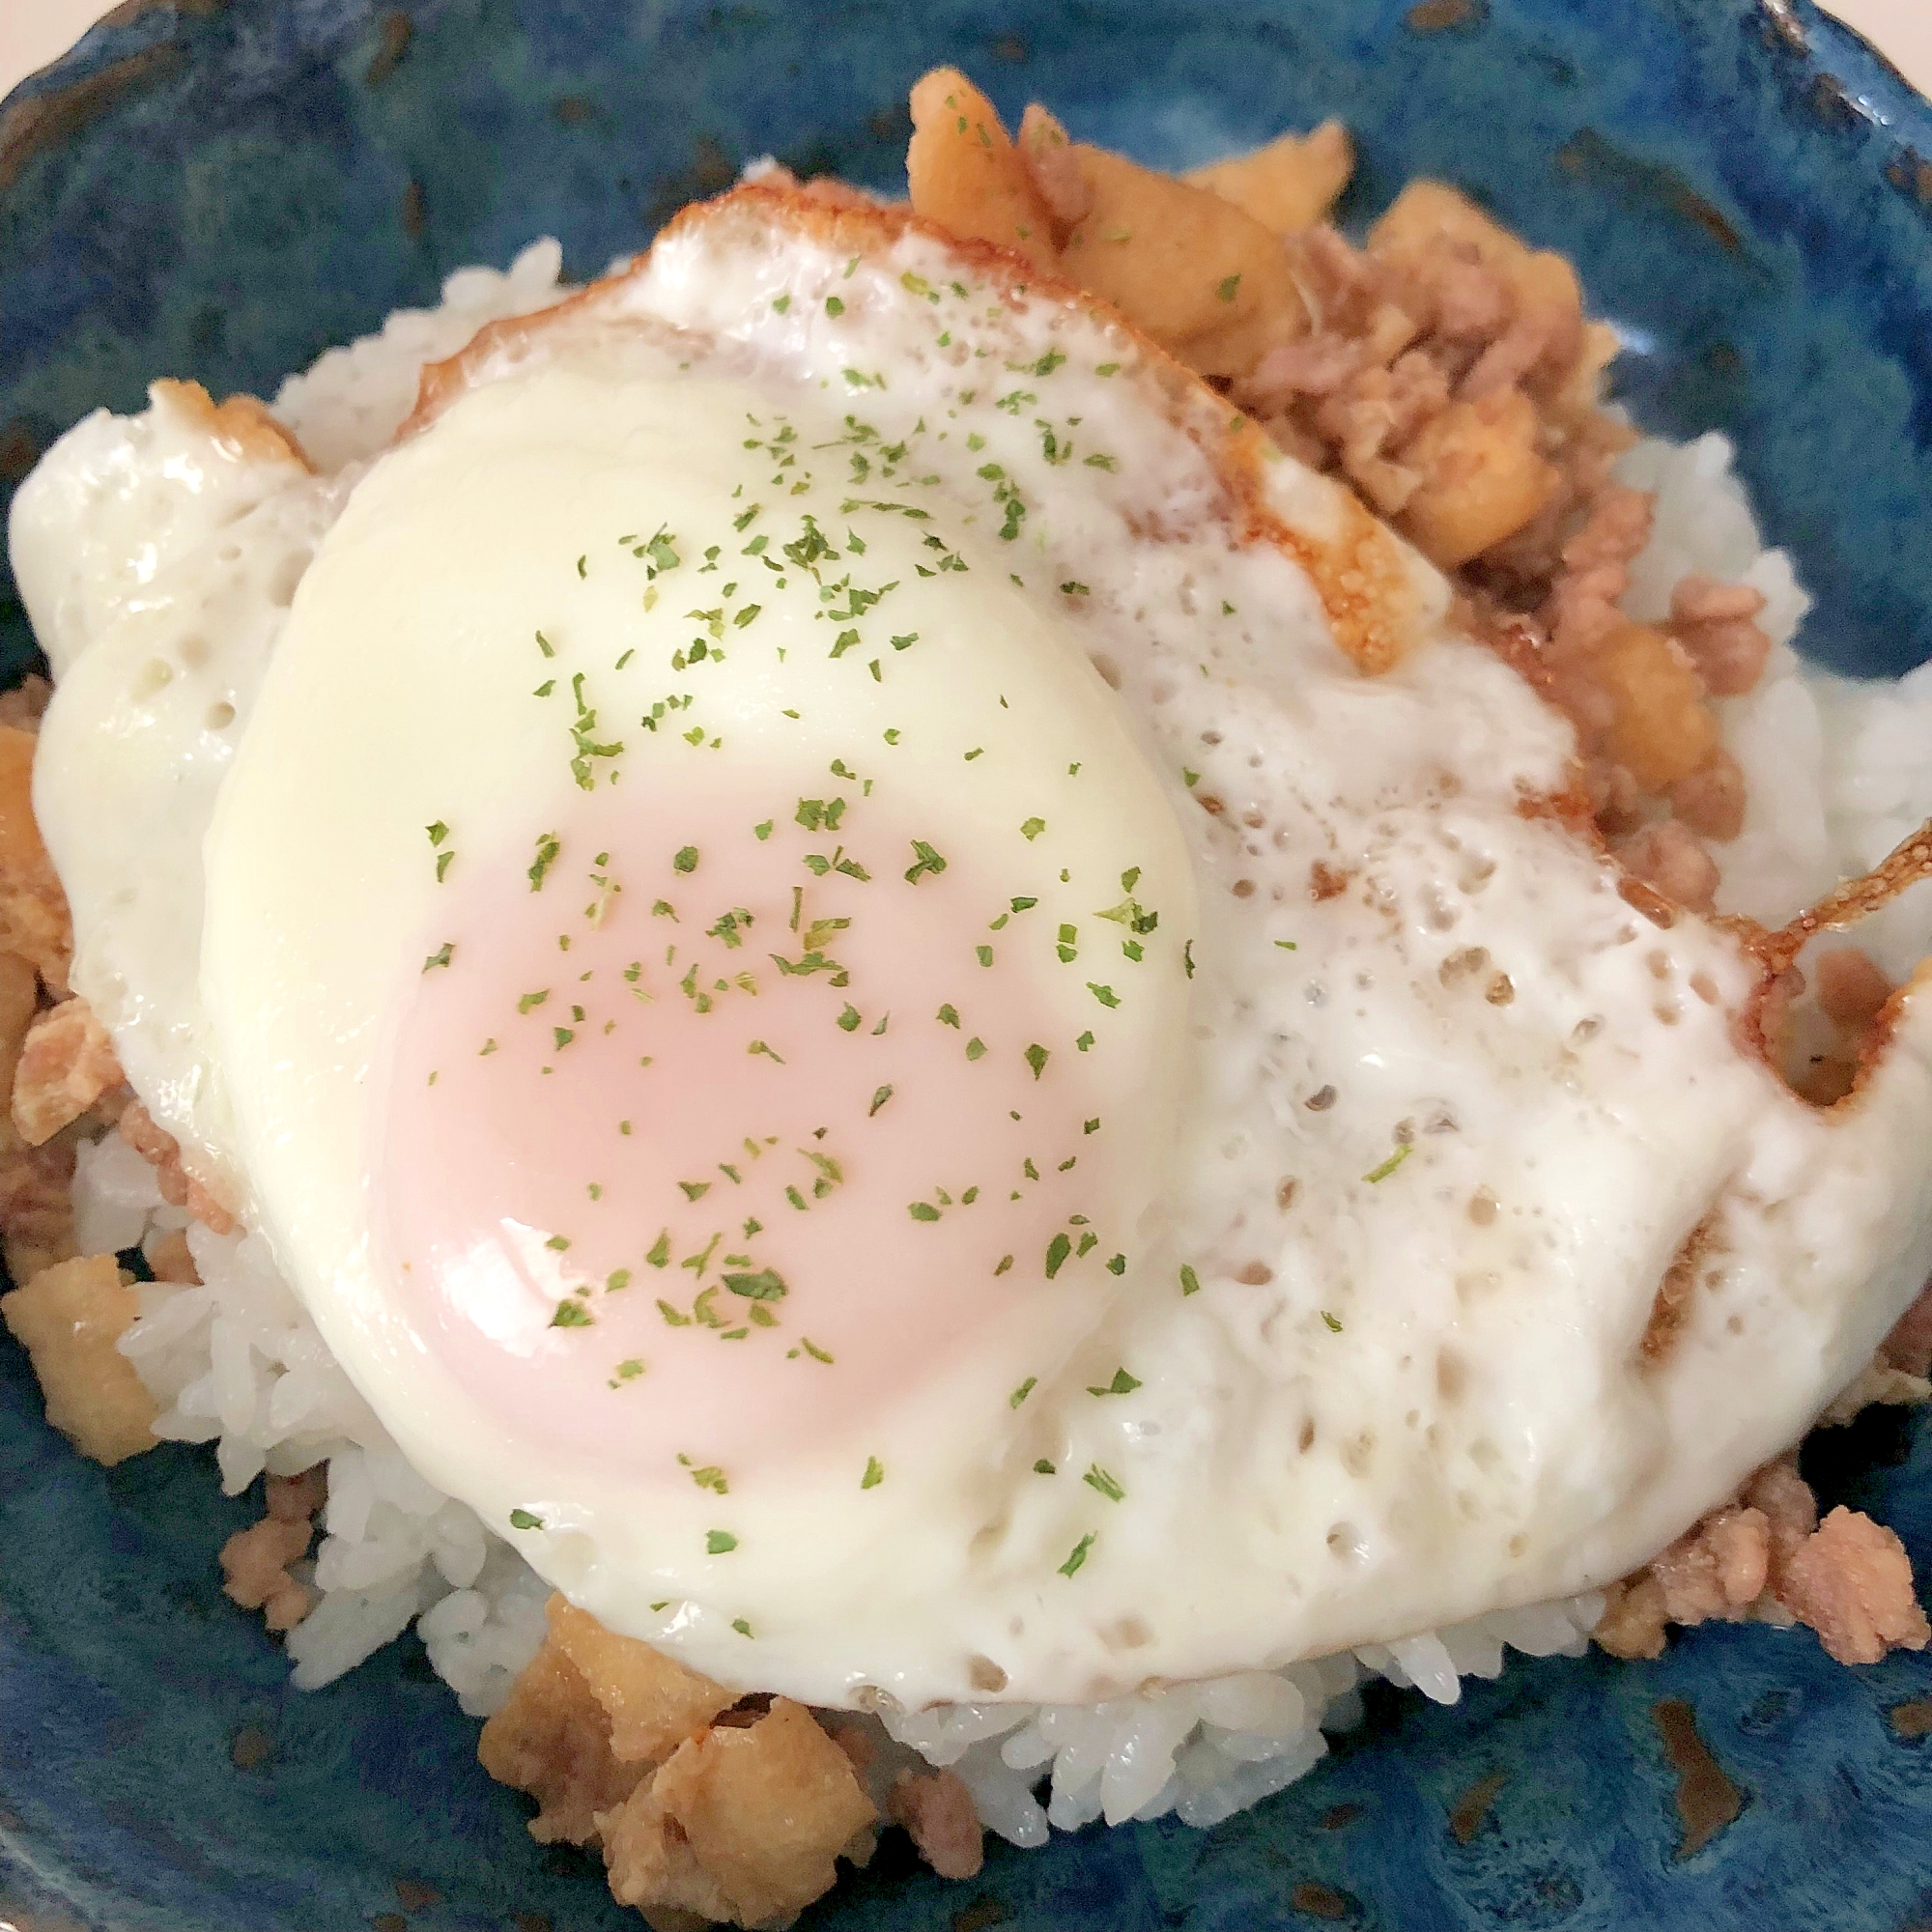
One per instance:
(1318,786)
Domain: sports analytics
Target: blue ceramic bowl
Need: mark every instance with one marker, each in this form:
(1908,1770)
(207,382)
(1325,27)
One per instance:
(219,189)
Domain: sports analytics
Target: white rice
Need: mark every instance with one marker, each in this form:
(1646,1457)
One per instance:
(1838,773)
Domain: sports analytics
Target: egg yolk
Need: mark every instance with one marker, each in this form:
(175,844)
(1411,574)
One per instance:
(713,1124)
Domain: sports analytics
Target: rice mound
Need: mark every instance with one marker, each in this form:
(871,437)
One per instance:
(1837,775)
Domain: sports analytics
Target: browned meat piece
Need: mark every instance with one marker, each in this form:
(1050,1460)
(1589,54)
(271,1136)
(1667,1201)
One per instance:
(1668,856)
(1715,624)
(65,1065)
(1851,1581)
(938,1811)
(1633,1617)
(1909,1346)
(1710,800)
(162,1153)
(255,1568)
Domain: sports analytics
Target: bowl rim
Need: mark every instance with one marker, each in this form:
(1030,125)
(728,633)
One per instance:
(142,38)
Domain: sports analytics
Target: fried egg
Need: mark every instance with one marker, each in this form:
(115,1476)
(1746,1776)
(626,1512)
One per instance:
(914,1012)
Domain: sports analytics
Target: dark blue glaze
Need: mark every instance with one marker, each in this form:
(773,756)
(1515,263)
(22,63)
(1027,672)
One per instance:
(220,190)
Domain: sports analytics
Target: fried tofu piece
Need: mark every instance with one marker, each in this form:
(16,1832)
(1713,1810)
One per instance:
(590,1716)
(1050,161)
(965,172)
(743,1824)
(652,1701)
(1483,478)
(34,919)
(65,1065)
(68,1318)
(551,1738)
(1661,729)
(1291,183)
(1207,281)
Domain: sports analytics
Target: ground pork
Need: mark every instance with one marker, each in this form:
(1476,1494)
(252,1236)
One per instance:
(1909,1346)
(1851,1581)
(36,1203)
(256,1562)
(1716,623)
(162,1153)
(1669,857)
(1764,1554)
(65,1065)
(937,1809)
(68,1318)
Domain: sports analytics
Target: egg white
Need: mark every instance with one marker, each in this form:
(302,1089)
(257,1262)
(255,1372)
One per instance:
(1449,1112)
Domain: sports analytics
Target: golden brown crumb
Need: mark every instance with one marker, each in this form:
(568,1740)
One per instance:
(551,1738)
(964,172)
(34,919)
(1207,281)
(1287,186)
(68,1318)
(937,1809)
(65,1065)
(590,1716)
(743,1824)
(162,1153)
